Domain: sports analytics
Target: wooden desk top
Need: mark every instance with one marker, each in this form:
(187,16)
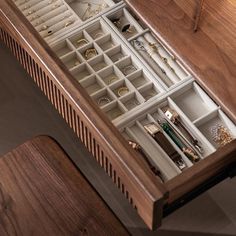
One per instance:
(42,193)
(210,53)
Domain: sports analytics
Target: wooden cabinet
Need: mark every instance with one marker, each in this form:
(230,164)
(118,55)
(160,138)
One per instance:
(110,76)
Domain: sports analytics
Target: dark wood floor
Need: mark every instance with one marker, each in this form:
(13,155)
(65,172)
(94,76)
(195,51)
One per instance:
(25,113)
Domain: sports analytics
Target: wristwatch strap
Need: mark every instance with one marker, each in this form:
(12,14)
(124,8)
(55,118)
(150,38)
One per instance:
(166,146)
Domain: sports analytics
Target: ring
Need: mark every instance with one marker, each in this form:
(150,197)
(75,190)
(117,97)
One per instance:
(103,100)
(50,32)
(97,35)
(113,78)
(68,23)
(90,53)
(128,69)
(81,42)
(122,91)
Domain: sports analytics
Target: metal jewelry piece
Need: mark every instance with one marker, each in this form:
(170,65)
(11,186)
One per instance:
(221,135)
(156,132)
(122,91)
(174,117)
(187,150)
(70,22)
(30,12)
(103,101)
(90,53)
(128,69)
(97,35)
(112,79)
(139,149)
(82,42)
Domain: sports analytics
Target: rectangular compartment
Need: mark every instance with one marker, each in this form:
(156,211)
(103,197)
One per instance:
(106,42)
(132,100)
(63,48)
(116,53)
(92,84)
(71,60)
(81,72)
(138,79)
(80,39)
(114,110)
(99,62)
(148,91)
(103,97)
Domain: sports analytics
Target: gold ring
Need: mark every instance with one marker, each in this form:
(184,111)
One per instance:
(128,68)
(68,23)
(90,53)
(103,100)
(81,42)
(97,35)
(112,79)
(122,91)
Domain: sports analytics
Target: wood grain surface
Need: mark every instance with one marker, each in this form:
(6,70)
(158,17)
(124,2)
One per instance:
(42,193)
(210,53)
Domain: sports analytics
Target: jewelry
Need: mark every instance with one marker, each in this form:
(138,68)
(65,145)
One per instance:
(26,7)
(127,29)
(97,35)
(138,45)
(139,149)
(149,96)
(174,117)
(188,151)
(35,17)
(90,53)
(44,27)
(90,13)
(116,22)
(81,42)
(103,101)
(128,69)
(30,12)
(221,135)
(50,32)
(122,91)
(112,79)
(76,63)
(132,103)
(68,23)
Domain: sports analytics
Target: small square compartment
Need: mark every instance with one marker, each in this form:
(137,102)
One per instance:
(81,72)
(127,66)
(99,62)
(62,48)
(194,102)
(131,101)
(91,84)
(97,30)
(106,42)
(138,79)
(113,110)
(149,91)
(116,53)
(71,60)
(103,97)
(89,51)
(121,88)
(110,75)
(79,40)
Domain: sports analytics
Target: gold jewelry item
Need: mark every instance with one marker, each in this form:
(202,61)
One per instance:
(90,53)
(103,101)
(221,135)
(128,69)
(97,35)
(81,42)
(112,79)
(68,23)
(30,12)
(122,91)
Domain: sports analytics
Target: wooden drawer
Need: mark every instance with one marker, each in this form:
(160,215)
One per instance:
(106,139)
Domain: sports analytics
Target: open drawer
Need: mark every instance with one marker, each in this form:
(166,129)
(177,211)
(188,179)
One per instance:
(145,119)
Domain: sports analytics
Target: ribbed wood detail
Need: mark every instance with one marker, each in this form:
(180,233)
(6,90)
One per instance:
(66,110)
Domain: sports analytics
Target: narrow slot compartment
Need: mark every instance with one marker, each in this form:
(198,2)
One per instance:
(138,79)
(99,62)
(132,100)
(80,39)
(193,101)
(106,42)
(71,60)
(114,110)
(217,128)
(91,84)
(127,66)
(116,54)
(62,48)
(81,72)
(148,91)
(202,145)
(103,97)
(110,75)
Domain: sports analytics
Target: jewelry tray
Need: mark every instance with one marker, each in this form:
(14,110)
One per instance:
(131,86)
